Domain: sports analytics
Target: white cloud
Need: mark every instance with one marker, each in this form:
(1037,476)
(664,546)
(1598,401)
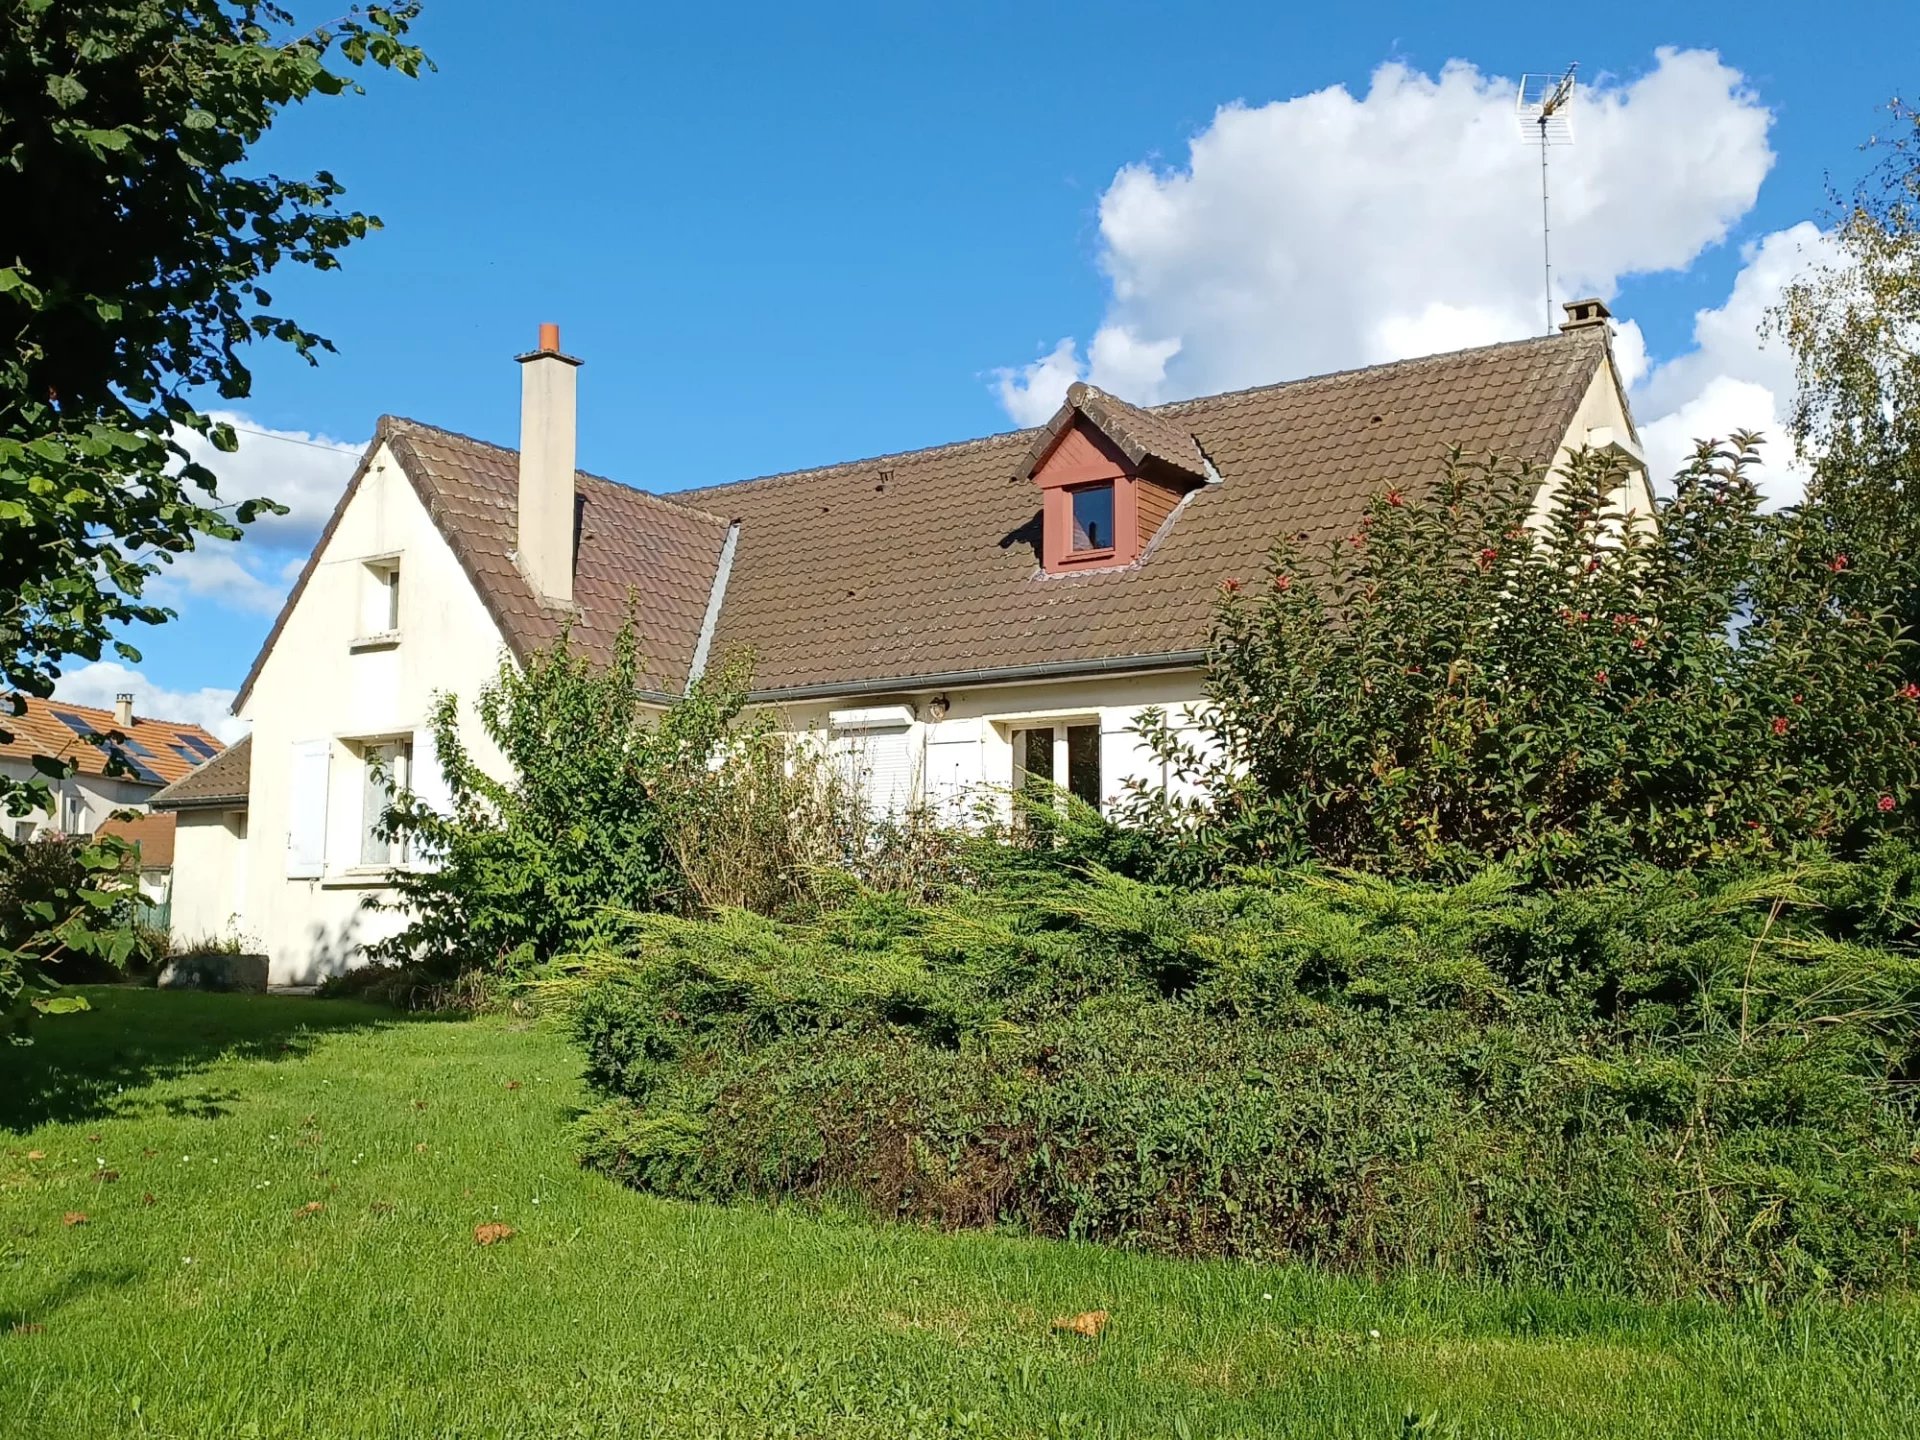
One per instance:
(302,470)
(1733,378)
(100,681)
(1332,230)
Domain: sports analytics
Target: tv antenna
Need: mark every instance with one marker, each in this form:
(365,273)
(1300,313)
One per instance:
(1544,106)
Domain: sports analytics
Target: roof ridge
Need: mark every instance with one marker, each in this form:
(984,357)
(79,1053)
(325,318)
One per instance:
(403,423)
(1355,371)
(944,447)
(1165,408)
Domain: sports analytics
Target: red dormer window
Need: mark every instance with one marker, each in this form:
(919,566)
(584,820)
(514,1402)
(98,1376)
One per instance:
(1092,518)
(1110,475)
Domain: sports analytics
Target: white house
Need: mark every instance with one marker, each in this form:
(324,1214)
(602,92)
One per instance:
(956,618)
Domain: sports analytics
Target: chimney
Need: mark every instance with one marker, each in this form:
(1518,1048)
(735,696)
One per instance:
(1584,313)
(545,547)
(123,710)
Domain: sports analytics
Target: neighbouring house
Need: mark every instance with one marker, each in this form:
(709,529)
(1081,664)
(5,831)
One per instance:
(956,620)
(153,754)
(151,865)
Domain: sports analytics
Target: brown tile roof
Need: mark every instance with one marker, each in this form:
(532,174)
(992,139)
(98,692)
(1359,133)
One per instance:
(152,833)
(630,543)
(221,783)
(925,565)
(162,750)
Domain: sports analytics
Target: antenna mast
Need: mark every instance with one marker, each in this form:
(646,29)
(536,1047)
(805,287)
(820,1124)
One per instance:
(1544,106)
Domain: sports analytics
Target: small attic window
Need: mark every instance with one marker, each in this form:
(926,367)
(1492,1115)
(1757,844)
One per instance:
(1092,518)
(379,602)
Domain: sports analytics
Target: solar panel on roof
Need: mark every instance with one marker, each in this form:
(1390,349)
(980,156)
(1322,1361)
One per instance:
(129,751)
(194,742)
(190,756)
(76,724)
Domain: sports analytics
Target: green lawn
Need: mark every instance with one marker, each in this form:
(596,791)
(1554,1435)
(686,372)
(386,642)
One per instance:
(205,1297)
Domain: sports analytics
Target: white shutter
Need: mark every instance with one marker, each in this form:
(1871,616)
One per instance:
(890,771)
(431,789)
(953,768)
(307,810)
(879,765)
(429,781)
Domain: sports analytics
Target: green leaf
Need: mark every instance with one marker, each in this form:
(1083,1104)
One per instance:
(66,91)
(61,1004)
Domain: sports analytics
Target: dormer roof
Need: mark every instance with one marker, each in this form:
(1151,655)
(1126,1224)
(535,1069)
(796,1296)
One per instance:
(1146,437)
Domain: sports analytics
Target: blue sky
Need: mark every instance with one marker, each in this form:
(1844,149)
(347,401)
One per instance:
(786,235)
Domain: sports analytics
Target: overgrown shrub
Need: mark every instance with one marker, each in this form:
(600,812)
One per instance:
(773,825)
(1462,682)
(1666,1085)
(65,917)
(522,866)
(608,805)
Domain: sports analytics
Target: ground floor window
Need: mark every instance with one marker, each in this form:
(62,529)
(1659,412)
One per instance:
(1058,756)
(384,770)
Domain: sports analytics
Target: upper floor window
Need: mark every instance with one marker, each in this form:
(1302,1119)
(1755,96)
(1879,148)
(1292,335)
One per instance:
(1092,518)
(380,597)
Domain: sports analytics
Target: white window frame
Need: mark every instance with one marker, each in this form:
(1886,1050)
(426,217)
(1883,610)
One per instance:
(366,751)
(379,599)
(1016,728)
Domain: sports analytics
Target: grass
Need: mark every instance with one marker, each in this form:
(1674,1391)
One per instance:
(205,1295)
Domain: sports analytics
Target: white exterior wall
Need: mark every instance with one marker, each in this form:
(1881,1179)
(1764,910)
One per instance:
(1601,421)
(968,755)
(319,686)
(210,878)
(82,803)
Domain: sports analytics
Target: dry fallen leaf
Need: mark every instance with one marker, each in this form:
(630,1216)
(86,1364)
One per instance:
(106,1177)
(1089,1324)
(491,1234)
(419,1104)
(27,1327)
(421,1148)
(94,1137)
(74,1217)
(147,1199)
(513,1084)
(380,1207)
(312,1207)
(36,1154)
(148,1152)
